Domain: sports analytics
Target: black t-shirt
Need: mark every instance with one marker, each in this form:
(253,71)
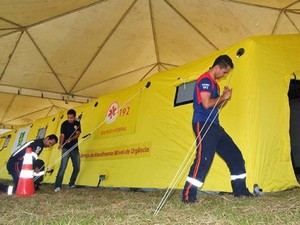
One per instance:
(35,145)
(70,129)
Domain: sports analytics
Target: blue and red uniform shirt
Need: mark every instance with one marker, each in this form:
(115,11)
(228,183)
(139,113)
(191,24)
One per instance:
(36,146)
(205,83)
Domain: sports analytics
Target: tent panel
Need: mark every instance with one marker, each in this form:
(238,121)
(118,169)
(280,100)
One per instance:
(255,20)
(6,32)
(177,46)
(130,47)
(119,83)
(295,6)
(62,105)
(270,3)
(27,119)
(234,22)
(25,13)
(5,102)
(25,105)
(53,111)
(26,109)
(285,26)
(295,17)
(23,109)
(6,25)
(165,67)
(85,32)
(7,45)
(27,68)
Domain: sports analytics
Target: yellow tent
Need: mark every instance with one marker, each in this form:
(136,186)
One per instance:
(73,51)
(138,138)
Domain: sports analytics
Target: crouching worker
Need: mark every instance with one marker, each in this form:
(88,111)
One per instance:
(15,162)
(38,172)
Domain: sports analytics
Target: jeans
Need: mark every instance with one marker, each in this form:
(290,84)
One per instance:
(75,157)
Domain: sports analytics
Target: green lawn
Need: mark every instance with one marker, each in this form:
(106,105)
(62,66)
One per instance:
(107,206)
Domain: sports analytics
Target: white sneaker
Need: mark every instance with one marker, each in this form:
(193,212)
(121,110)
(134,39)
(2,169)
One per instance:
(10,190)
(57,189)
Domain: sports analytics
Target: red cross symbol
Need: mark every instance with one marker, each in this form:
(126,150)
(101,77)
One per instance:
(112,112)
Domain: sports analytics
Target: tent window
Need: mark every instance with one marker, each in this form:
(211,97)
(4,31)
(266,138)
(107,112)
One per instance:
(294,100)
(184,93)
(41,133)
(6,142)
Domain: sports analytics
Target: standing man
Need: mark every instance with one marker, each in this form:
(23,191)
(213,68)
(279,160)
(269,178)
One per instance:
(15,162)
(68,143)
(206,103)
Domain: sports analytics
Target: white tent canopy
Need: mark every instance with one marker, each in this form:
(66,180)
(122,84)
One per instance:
(59,54)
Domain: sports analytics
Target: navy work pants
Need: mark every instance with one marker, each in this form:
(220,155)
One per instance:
(211,141)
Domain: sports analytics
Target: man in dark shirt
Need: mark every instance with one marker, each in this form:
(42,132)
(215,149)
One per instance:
(68,143)
(15,162)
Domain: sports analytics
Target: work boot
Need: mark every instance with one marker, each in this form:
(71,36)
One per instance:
(239,188)
(189,193)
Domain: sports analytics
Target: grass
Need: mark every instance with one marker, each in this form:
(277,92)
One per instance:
(108,206)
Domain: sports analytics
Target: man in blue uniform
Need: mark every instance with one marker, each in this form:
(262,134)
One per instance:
(15,162)
(68,142)
(206,103)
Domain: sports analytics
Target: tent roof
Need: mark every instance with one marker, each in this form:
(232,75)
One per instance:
(57,52)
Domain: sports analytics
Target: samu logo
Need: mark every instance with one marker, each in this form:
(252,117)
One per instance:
(205,86)
(112,113)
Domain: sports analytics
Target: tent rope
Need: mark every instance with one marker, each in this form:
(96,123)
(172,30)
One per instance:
(184,164)
(93,130)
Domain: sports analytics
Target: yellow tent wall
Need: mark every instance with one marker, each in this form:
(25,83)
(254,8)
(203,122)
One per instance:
(5,153)
(145,144)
